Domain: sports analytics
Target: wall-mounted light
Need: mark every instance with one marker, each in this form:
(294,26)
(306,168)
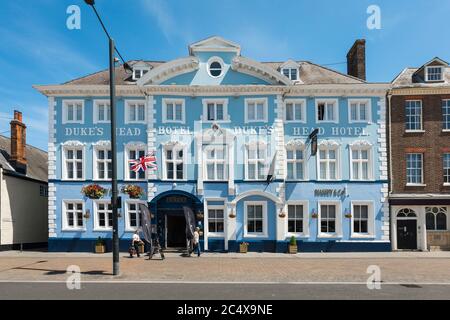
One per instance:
(314,213)
(87,213)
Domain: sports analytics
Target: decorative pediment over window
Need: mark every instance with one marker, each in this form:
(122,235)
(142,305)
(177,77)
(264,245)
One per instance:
(295,144)
(259,70)
(214,44)
(329,143)
(73,143)
(136,144)
(256,144)
(102,143)
(361,143)
(169,70)
(174,144)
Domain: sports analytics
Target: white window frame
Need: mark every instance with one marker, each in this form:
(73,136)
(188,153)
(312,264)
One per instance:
(444,168)
(305,205)
(421,117)
(174,148)
(224,102)
(65,226)
(128,227)
(222,66)
(259,162)
(65,106)
(370,219)
(128,104)
(75,148)
(142,72)
(338,162)
(368,104)
(338,222)
(256,101)
(422,175)
(265,232)
(290,73)
(303,110)
(295,161)
(335,102)
(359,148)
(447,113)
(226,172)
(133,146)
(96,104)
(427,74)
(165,102)
(95,161)
(216,207)
(96,217)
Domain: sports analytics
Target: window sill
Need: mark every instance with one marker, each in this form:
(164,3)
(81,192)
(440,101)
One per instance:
(73,230)
(255,235)
(361,121)
(217,121)
(294,121)
(73,180)
(414,131)
(415,185)
(297,180)
(446,130)
(102,229)
(257,121)
(130,229)
(73,122)
(136,122)
(215,235)
(327,121)
(296,235)
(361,236)
(329,236)
(173,121)
(446,184)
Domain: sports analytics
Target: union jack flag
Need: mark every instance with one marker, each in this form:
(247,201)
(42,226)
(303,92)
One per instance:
(144,163)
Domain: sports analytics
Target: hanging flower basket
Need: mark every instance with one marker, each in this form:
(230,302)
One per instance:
(348,215)
(133,191)
(93,191)
(314,216)
(282,215)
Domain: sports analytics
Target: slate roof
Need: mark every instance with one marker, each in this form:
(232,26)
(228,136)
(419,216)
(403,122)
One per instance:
(405,79)
(310,73)
(36,160)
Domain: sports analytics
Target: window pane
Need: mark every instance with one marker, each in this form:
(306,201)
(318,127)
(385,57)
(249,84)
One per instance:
(321,111)
(169,111)
(219,111)
(441,221)
(260,111)
(132,113)
(178,112)
(141,115)
(353,111)
(251,111)
(79,112)
(289,112)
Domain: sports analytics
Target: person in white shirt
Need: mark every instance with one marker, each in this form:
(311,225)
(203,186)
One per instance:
(197,241)
(136,242)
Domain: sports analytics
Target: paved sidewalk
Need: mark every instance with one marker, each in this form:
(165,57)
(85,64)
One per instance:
(398,267)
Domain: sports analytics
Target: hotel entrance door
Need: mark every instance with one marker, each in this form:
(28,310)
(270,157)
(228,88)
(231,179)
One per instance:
(175,231)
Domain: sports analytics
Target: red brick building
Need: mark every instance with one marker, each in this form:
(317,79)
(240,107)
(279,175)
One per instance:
(419,157)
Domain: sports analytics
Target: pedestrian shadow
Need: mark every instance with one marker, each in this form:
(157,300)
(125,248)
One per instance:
(51,272)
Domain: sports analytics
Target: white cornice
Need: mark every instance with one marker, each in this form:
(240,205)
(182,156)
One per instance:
(329,143)
(323,90)
(295,143)
(259,70)
(169,70)
(360,143)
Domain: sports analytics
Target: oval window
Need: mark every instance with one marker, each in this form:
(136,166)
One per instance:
(215,69)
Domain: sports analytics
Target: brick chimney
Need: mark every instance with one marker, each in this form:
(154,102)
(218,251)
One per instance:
(356,59)
(18,143)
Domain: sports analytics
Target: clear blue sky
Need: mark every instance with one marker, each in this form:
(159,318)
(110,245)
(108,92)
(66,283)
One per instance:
(37,48)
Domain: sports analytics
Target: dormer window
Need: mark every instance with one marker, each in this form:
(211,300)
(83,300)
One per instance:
(434,73)
(139,73)
(291,73)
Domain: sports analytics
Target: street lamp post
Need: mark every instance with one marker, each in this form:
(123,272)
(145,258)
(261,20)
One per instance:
(112,96)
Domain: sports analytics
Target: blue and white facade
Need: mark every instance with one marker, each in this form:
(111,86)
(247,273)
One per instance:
(218,122)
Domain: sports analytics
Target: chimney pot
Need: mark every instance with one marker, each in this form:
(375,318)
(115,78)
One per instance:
(18,143)
(356,60)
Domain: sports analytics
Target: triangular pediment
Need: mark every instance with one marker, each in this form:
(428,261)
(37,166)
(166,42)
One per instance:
(215,43)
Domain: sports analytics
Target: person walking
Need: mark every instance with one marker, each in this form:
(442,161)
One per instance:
(197,241)
(136,241)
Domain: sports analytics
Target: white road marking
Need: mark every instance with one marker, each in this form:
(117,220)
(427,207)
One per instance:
(228,282)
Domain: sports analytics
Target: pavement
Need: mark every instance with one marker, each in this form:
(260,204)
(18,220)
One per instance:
(403,275)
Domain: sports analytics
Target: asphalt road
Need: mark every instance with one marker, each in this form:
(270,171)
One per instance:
(222,291)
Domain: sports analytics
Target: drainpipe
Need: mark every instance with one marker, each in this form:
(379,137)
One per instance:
(393,225)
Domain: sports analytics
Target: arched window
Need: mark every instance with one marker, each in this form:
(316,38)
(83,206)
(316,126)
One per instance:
(441,221)
(406,212)
(430,221)
(436,218)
